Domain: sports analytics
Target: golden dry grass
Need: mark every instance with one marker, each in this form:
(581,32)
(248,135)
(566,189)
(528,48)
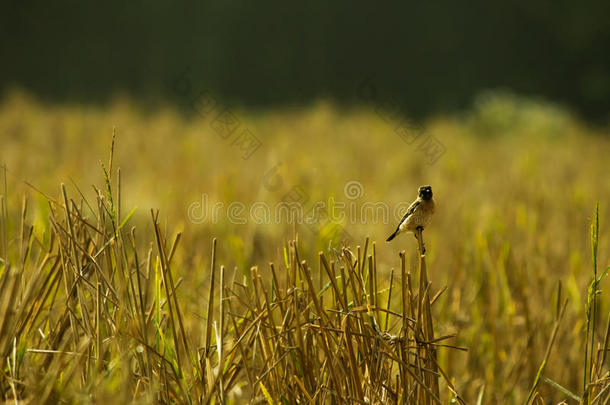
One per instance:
(91,310)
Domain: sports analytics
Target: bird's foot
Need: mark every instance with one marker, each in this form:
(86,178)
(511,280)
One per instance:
(420,229)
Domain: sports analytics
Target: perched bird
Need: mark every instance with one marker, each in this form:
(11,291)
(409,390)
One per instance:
(418,214)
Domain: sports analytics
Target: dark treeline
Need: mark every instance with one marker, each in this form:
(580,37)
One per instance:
(430,56)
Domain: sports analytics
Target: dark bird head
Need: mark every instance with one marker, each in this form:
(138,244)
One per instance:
(425,192)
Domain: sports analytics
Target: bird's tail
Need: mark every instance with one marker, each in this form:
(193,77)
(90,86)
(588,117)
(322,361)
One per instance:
(392,236)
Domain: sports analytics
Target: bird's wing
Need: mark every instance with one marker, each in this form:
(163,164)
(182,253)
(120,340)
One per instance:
(410,210)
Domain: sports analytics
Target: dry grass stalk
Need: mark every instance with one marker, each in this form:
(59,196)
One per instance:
(80,308)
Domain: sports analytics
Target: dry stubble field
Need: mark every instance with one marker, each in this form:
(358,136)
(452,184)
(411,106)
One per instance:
(100,303)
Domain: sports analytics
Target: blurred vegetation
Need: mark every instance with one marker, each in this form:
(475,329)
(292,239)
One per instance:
(515,190)
(430,56)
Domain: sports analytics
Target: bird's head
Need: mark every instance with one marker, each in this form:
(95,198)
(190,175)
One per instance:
(425,192)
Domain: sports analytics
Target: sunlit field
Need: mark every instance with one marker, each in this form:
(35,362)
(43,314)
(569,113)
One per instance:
(104,301)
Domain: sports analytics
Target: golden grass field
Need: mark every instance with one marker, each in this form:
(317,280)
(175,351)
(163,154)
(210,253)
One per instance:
(92,311)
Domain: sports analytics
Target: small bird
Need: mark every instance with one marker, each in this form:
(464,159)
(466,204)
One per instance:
(418,214)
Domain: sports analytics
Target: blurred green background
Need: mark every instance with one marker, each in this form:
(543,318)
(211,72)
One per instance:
(430,56)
